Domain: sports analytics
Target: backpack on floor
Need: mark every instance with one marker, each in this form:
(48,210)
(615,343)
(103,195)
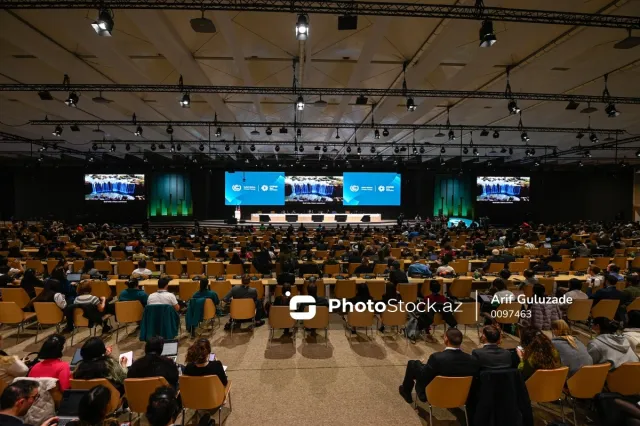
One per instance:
(411,327)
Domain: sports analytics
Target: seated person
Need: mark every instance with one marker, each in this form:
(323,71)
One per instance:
(29,282)
(542,314)
(139,255)
(444,268)
(206,293)
(538,353)
(198,363)
(312,290)
(529,279)
(153,364)
(10,367)
(93,410)
(418,269)
(163,408)
(543,267)
(595,279)
(365,267)
(142,270)
(435,301)
(632,329)
(452,362)
(614,270)
(575,293)
(236,260)
(98,364)
(89,268)
(163,296)
(609,346)
(51,364)
(609,290)
(52,293)
(309,267)
(573,353)
(491,356)
(396,274)
(6,279)
(245,292)
(86,298)
(133,292)
(17,398)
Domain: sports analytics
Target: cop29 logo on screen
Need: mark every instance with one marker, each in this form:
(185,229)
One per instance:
(354,188)
(236,188)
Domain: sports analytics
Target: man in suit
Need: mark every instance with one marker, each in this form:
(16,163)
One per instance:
(245,292)
(365,267)
(451,362)
(491,356)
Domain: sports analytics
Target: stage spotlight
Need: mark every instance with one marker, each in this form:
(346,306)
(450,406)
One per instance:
(57,131)
(283,130)
(526,152)
(112,148)
(94,147)
(138,131)
(255,132)
(376,134)
(179,147)
(452,135)
(72,100)
(638,153)
(269,131)
(594,138)
(465,150)
(587,154)
(411,105)
(572,105)
(443,150)
(45,95)
(589,109)
(385,132)
(555,152)
(348,149)
(252,147)
(396,150)
(91,159)
(301,148)
(442,162)
(218,132)
(372,149)
(186,101)
(359,150)
(510,151)
(127,147)
(611,110)
(239,148)
(302,27)
(300,103)
(513,107)
(415,151)
(277,148)
(533,151)
(227,147)
(475,152)
(103,26)
(299,133)
(496,134)
(422,150)
(324,148)
(173,148)
(169,129)
(503,150)
(201,147)
(153,147)
(337,134)
(525,137)
(580,164)
(487,36)
(536,163)
(484,132)
(161,146)
(580,135)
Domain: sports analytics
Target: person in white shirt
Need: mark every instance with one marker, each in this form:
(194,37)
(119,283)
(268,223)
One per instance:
(163,296)
(595,278)
(503,295)
(575,292)
(142,269)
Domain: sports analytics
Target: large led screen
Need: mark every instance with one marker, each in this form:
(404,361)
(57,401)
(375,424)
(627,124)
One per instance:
(114,188)
(254,188)
(313,189)
(502,189)
(371,189)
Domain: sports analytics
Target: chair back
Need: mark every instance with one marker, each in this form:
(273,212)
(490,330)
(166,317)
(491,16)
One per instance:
(622,380)
(352,268)
(215,269)
(580,264)
(209,311)
(360,319)
(259,286)
(222,288)
(48,313)
(332,269)
(635,305)
(605,308)
(235,268)
(620,262)
(345,289)
(379,268)
(77,265)
(138,391)
(242,309)
(409,292)
(548,283)
(78,318)
(150,288)
(127,312)
(395,318)
(602,262)
(516,267)
(547,385)
(35,264)
(466,313)
(173,267)
(114,403)
(194,267)
(396,252)
(460,266)
(187,288)
(321,320)
(588,381)
(125,267)
(279,317)
(17,295)
(448,392)
(121,285)
(376,289)
(104,266)
(461,287)
(100,288)
(579,310)
(202,392)
(10,313)
(51,265)
(510,313)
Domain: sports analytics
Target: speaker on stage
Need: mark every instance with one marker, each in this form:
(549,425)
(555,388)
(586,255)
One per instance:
(265,218)
(291,217)
(366,218)
(341,218)
(231,221)
(317,217)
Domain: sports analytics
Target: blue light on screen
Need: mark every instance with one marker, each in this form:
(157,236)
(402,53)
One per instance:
(254,188)
(371,189)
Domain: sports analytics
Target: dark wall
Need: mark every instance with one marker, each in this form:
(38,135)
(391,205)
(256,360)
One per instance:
(7,189)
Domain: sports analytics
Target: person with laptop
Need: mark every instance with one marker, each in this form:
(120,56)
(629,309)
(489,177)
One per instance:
(94,409)
(142,270)
(153,364)
(98,364)
(201,362)
(16,400)
(133,292)
(163,296)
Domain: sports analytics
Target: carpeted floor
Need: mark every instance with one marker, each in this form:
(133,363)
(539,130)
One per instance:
(352,381)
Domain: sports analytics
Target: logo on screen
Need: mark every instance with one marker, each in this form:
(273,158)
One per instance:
(264,188)
(354,188)
(236,188)
(381,188)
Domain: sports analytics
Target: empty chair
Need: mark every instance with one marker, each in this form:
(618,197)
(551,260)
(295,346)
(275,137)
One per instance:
(104,267)
(580,264)
(494,268)
(127,313)
(235,268)
(467,314)
(215,269)
(601,262)
(34,264)
(345,289)
(47,313)
(547,386)
(150,288)
(209,313)
(605,308)
(194,267)
(549,284)
(409,292)
(625,379)
(332,269)
(586,383)
(376,289)
(516,267)
(204,393)
(319,321)
(173,268)
(280,318)
(579,310)
(100,289)
(357,320)
(634,306)
(460,288)
(509,313)
(393,318)
(448,392)
(187,288)
(222,288)
(16,295)
(125,267)
(10,313)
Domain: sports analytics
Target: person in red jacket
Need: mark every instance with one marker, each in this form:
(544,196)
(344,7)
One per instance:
(51,364)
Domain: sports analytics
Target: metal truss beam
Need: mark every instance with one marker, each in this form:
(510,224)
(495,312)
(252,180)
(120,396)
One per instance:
(346,7)
(297,125)
(313,91)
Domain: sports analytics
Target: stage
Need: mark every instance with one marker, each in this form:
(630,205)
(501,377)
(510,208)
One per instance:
(315,218)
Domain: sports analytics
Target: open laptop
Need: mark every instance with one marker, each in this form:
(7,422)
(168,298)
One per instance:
(70,405)
(170,350)
(77,357)
(74,277)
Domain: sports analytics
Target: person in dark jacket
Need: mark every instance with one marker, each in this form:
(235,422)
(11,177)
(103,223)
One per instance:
(609,291)
(199,364)
(396,274)
(451,362)
(153,364)
(309,267)
(491,355)
(29,282)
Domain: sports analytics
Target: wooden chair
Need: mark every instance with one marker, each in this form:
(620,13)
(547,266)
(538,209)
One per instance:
(235,268)
(409,292)
(634,306)
(509,315)
(215,269)
(209,313)
(127,313)
(621,262)
(278,290)
(586,383)
(547,386)
(121,285)
(332,269)
(51,265)
(516,267)
(77,265)
(579,310)
(47,313)
(448,392)
(460,266)
(352,268)
(100,289)
(494,268)
(125,267)
(605,308)
(204,393)
(376,289)
(379,268)
(393,318)
(319,321)
(280,318)
(396,252)
(242,309)
(104,266)
(580,264)
(150,288)
(360,319)
(10,313)
(194,267)
(115,401)
(138,392)
(602,262)
(622,380)
(16,295)
(187,288)
(80,321)
(549,284)
(173,268)
(460,288)
(467,314)
(35,264)
(345,289)
(222,288)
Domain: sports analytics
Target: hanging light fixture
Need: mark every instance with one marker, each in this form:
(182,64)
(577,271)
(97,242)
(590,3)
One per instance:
(300,103)
(487,36)
(411,105)
(103,26)
(138,131)
(57,131)
(72,100)
(185,102)
(302,27)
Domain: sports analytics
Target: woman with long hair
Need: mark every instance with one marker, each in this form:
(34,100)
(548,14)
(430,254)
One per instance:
(94,407)
(51,293)
(29,282)
(573,353)
(538,353)
(51,364)
(200,362)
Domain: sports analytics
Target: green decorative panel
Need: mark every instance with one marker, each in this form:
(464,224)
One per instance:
(453,196)
(170,195)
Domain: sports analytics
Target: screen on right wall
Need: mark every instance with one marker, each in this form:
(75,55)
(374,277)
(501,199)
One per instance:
(502,189)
